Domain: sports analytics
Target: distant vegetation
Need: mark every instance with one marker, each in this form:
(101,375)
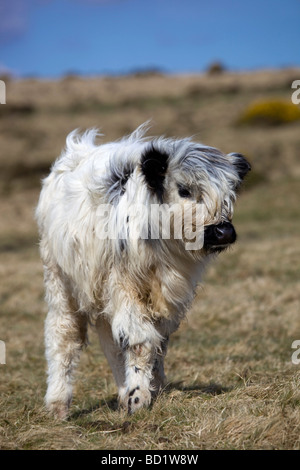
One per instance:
(270,113)
(216,68)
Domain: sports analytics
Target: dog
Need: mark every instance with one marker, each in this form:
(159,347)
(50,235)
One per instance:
(101,264)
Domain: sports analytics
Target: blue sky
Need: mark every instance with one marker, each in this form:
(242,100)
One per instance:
(50,38)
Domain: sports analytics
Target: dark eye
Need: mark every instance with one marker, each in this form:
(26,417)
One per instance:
(183,192)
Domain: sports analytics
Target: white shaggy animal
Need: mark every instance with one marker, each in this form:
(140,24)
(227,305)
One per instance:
(103,264)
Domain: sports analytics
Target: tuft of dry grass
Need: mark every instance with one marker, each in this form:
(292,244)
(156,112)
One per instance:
(231,380)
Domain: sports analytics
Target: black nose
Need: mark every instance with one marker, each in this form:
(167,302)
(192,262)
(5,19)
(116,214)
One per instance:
(218,236)
(224,233)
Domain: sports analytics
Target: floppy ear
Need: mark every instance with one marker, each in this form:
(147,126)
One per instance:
(241,164)
(154,164)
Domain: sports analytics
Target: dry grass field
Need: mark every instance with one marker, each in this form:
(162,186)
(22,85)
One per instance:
(231,380)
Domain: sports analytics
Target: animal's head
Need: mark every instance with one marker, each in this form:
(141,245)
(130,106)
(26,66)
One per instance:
(189,176)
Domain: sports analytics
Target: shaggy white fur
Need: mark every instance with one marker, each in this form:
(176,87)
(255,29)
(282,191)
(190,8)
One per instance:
(102,265)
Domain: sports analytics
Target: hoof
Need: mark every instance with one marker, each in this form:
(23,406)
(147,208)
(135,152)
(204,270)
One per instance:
(136,398)
(58,410)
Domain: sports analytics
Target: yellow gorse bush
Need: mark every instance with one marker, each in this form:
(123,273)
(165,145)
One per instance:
(270,112)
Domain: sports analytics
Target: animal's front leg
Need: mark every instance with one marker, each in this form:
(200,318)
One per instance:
(158,373)
(139,362)
(139,341)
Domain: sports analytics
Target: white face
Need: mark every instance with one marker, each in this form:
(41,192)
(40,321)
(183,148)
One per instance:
(197,185)
(203,200)
(216,201)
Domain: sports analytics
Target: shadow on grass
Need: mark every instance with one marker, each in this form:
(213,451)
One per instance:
(112,404)
(211,388)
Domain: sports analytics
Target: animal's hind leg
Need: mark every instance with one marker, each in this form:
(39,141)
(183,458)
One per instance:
(158,373)
(65,335)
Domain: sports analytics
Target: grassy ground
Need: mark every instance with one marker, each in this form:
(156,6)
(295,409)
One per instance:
(232,383)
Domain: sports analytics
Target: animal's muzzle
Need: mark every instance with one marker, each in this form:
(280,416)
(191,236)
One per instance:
(221,235)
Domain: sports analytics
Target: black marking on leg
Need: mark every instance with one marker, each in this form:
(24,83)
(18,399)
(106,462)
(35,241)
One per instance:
(133,390)
(133,401)
(124,342)
(164,344)
(155,365)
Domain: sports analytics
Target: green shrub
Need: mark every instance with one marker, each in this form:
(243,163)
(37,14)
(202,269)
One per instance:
(270,113)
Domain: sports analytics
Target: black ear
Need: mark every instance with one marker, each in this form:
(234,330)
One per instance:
(241,164)
(154,164)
